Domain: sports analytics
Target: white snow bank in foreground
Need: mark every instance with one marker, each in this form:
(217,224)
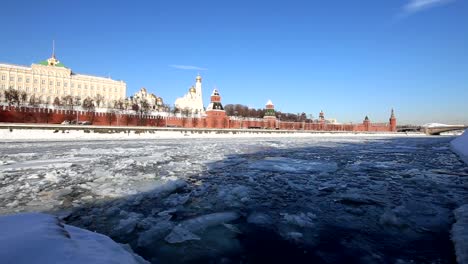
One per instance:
(460,146)
(41,238)
(460,234)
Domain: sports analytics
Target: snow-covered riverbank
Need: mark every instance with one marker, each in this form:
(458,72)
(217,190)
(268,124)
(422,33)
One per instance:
(460,146)
(41,238)
(51,135)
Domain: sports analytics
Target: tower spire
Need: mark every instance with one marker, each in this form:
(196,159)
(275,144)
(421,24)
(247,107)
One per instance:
(53,49)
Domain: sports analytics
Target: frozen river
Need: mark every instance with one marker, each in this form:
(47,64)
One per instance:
(303,200)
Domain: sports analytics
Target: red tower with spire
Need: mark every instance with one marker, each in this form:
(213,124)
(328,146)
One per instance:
(269,119)
(215,114)
(321,117)
(366,123)
(393,122)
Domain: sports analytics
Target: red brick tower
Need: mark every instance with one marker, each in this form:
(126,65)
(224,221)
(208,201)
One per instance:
(393,122)
(215,114)
(321,117)
(269,119)
(366,123)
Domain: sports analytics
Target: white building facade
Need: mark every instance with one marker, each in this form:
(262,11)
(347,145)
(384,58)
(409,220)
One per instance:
(193,100)
(50,79)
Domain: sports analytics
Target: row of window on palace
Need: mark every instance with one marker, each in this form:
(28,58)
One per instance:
(51,91)
(65,84)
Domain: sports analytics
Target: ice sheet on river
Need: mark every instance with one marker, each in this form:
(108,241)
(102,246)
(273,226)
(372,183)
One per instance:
(282,164)
(291,192)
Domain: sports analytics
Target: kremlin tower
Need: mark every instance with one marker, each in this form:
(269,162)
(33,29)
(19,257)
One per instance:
(269,119)
(393,124)
(215,114)
(366,123)
(321,117)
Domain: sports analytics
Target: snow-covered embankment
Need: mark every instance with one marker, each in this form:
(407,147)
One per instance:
(41,238)
(460,146)
(460,228)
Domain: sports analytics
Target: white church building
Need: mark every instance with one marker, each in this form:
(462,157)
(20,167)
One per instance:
(193,100)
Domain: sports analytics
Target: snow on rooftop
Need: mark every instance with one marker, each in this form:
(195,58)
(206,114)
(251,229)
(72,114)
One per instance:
(41,238)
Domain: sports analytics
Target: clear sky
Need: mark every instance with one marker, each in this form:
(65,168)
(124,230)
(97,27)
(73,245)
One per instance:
(347,58)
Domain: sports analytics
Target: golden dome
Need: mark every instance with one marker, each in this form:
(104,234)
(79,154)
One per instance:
(199,78)
(192,90)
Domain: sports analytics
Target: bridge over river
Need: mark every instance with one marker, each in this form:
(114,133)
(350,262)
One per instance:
(431,130)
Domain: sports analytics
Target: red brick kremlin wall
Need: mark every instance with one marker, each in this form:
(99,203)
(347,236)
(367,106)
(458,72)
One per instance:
(218,120)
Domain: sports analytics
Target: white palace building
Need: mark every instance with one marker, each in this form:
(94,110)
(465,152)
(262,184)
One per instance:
(50,79)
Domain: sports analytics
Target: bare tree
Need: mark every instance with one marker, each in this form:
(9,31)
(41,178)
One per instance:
(185,112)
(76,101)
(98,99)
(34,101)
(57,102)
(119,104)
(88,104)
(12,97)
(68,101)
(23,97)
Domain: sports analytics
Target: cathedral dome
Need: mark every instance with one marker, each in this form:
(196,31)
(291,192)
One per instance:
(199,78)
(192,90)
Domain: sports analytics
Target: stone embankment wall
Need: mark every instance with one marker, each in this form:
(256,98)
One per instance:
(10,114)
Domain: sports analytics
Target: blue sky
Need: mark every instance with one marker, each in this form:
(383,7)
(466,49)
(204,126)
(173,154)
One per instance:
(347,58)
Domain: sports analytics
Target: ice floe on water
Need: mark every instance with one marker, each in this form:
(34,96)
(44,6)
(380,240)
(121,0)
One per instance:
(323,200)
(288,165)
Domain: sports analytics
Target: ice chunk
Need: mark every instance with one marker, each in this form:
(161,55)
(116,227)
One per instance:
(301,219)
(179,234)
(460,234)
(357,199)
(282,164)
(176,199)
(157,232)
(183,231)
(259,219)
(234,195)
(128,224)
(391,219)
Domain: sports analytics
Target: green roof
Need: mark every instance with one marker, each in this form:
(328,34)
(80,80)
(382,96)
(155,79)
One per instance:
(46,63)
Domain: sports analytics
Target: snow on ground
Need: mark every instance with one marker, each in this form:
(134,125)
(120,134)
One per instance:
(460,146)
(51,135)
(41,238)
(323,199)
